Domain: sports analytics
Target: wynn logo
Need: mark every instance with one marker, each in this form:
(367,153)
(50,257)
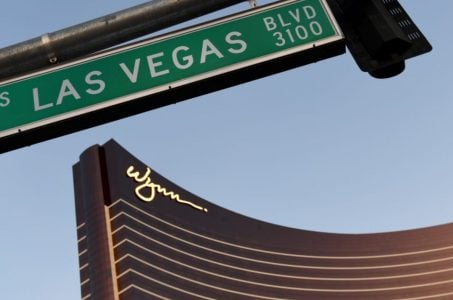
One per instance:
(147,189)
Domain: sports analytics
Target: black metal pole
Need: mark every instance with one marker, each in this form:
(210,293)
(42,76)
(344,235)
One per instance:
(101,33)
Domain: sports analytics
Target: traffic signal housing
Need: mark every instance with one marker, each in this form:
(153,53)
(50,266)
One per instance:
(379,34)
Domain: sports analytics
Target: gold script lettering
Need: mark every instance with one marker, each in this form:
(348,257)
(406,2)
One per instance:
(146,190)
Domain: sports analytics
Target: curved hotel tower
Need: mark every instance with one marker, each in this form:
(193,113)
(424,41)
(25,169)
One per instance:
(143,237)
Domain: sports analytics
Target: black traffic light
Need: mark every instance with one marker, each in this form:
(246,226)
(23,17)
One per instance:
(379,34)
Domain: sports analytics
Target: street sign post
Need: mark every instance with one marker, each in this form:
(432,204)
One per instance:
(165,70)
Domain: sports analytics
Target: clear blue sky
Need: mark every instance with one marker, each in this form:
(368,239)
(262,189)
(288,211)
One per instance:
(324,147)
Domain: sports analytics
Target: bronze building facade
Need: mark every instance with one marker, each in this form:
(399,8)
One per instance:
(142,237)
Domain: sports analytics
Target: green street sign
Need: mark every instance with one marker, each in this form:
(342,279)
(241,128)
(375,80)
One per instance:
(165,70)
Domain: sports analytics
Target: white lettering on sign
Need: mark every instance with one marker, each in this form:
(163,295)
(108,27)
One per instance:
(272,23)
(94,86)
(295,31)
(310,12)
(208,48)
(184,62)
(93,81)
(230,40)
(37,105)
(4,99)
(295,15)
(153,65)
(133,76)
(183,57)
(67,89)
